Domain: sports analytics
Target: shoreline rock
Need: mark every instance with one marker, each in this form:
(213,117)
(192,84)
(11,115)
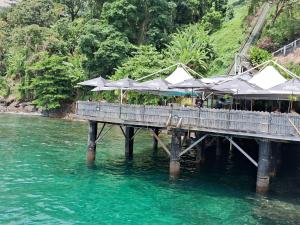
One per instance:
(11,106)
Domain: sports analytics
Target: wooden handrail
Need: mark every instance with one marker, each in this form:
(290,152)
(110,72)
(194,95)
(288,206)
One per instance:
(275,124)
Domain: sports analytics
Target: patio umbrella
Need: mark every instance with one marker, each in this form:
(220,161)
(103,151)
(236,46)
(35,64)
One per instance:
(96,82)
(122,84)
(96,89)
(157,84)
(279,92)
(290,86)
(234,86)
(191,83)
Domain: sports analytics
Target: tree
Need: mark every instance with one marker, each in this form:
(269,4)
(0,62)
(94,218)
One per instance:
(104,47)
(146,60)
(96,8)
(73,7)
(142,21)
(69,32)
(191,46)
(212,20)
(258,56)
(51,80)
(39,12)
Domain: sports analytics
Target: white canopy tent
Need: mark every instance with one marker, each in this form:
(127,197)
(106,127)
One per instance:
(179,75)
(267,78)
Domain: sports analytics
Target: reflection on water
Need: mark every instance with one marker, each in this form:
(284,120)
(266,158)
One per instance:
(44,179)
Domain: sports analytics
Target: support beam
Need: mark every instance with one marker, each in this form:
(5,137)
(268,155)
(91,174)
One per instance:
(92,136)
(193,145)
(263,177)
(155,142)
(174,157)
(161,143)
(129,133)
(242,151)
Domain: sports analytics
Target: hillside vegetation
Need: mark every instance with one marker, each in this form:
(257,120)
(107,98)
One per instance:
(48,46)
(282,27)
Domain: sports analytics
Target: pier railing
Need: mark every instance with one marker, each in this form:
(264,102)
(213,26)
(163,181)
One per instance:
(221,120)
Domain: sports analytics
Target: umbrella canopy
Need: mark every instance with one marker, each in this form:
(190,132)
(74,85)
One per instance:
(123,83)
(96,82)
(234,86)
(191,83)
(290,86)
(96,89)
(279,92)
(157,84)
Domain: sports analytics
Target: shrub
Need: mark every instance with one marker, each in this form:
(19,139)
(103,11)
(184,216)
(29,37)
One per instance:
(258,56)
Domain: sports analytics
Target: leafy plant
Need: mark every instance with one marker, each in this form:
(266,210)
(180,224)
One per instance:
(258,56)
(192,47)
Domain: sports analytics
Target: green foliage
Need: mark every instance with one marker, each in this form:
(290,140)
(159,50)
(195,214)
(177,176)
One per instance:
(146,60)
(212,20)
(4,89)
(295,68)
(104,47)
(48,46)
(192,47)
(283,25)
(258,56)
(39,12)
(16,62)
(142,21)
(227,41)
(52,79)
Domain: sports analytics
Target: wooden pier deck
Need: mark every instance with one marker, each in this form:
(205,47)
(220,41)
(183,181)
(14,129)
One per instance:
(274,126)
(269,130)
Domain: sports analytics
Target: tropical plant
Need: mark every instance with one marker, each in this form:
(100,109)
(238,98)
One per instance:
(258,56)
(191,46)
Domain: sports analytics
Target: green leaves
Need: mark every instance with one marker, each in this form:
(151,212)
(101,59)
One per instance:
(39,12)
(52,78)
(258,56)
(104,47)
(191,46)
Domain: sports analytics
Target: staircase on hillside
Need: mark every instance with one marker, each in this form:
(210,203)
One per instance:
(241,62)
(287,49)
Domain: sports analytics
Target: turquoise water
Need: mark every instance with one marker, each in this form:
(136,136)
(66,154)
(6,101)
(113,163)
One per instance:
(44,179)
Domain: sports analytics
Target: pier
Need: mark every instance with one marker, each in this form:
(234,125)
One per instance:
(269,130)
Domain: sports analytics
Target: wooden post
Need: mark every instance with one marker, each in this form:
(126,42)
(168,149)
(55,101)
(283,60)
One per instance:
(129,140)
(218,147)
(174,157)
(263,177)
(92,136)
(200,156)
(155,142)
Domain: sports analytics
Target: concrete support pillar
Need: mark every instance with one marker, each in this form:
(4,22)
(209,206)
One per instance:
(174,157)
(129,133)
(274,158)
(263,177)
(92,136)
(200,156)
(218,147)
(155,143)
